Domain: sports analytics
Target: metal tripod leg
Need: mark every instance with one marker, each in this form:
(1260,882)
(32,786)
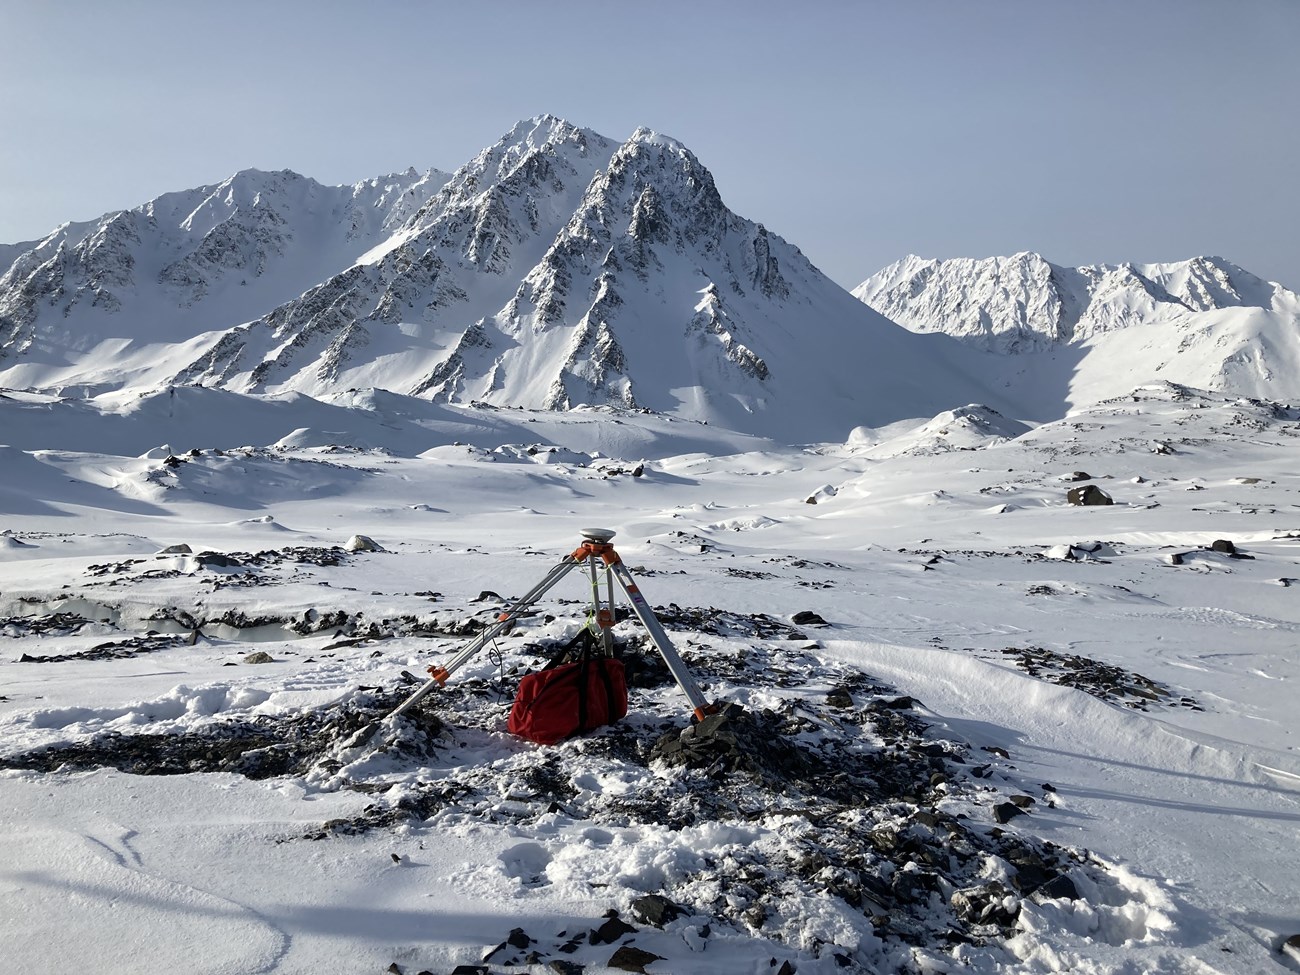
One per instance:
(501,624)
(660,638)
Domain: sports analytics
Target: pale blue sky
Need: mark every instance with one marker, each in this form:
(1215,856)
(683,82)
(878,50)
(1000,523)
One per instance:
(1090,131)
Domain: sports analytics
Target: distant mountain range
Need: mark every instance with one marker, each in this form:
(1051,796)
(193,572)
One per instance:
(559,268)
(1204,322)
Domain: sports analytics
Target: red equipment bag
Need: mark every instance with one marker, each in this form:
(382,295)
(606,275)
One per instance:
(568,699)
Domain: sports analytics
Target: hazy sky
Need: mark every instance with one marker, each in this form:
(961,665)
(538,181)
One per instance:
(1090,131)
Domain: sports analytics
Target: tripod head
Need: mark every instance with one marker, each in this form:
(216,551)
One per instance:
(599,535)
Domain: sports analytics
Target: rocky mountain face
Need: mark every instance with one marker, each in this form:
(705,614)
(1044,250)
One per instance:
(556,268)
(1024,303)
(85,301)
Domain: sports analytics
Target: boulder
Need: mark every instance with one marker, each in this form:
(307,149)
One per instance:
(611,931)
(1223,545)
(655,909)
(1089,494)
(181,549)
(1079,476)
(210,560)
(362,543)
(808,618)
(1004,812)
(259,657)
(630,958)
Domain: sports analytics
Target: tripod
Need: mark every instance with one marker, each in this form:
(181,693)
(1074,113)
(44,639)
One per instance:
(595,553)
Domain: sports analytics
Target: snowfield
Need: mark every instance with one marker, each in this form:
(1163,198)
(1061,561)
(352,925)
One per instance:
(1029,736)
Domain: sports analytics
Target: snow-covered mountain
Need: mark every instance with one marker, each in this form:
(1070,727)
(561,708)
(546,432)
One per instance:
(103,303)
(1100,330)
(1023,302)
(556,268)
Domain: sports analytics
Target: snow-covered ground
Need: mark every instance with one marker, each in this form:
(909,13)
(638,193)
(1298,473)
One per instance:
(1130,686)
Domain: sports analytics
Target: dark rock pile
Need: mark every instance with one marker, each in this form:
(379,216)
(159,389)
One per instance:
(113,649)
(1102,680)
(259,748)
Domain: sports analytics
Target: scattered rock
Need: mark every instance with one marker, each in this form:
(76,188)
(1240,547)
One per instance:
(1079,476)
(1223,545)
(181,549)
(362,543)
(1089,494)
(259,657)
(630,958)
(1105,681)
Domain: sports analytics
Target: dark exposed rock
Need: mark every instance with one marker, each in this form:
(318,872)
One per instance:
(655,909)
(217,560)
(114,649)
(1004,812)
(807,618)
(1223,545)
(1089,494)
(611,931)
(1060,887)
(839,698)
(1079,476)
(259,657)
(630,958)
(1102,680)
(989,902)
(902,703)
